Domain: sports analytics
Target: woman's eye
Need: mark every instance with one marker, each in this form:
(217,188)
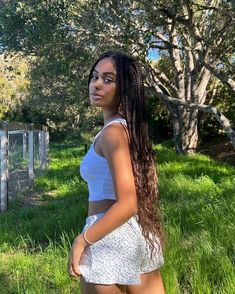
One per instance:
(93,78)
(108,80)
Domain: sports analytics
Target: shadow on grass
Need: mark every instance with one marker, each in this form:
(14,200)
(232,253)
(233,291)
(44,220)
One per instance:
(64,212)
(39,224)
(191,165)
(5,287)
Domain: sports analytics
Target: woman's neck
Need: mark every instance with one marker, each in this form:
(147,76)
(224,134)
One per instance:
(110,116)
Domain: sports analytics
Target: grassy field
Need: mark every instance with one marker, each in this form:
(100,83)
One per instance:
(197,196)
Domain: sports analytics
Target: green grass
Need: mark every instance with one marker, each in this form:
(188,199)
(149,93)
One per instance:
(197,196)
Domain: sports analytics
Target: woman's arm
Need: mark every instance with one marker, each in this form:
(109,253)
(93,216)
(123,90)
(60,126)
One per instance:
(113,143)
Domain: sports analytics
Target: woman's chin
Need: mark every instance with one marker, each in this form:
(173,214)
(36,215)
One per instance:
(96,103)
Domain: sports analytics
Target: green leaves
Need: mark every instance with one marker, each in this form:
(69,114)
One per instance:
(66,37)
(14,84)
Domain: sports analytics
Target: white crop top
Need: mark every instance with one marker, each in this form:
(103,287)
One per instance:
(94,169)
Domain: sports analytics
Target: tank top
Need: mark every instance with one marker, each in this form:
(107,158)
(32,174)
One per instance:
(94,169)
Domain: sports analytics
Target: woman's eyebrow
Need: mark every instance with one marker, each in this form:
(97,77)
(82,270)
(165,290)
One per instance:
(106,73)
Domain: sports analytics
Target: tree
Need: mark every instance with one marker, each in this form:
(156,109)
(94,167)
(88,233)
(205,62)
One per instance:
(196,37)
(225,101)
(14,84)
(57,90)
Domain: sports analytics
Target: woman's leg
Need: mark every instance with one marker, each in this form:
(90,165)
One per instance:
(88,288)
(151,283)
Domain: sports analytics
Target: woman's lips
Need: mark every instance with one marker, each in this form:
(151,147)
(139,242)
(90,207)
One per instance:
(95,96)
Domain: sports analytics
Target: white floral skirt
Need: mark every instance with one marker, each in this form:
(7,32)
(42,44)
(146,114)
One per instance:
(120,257)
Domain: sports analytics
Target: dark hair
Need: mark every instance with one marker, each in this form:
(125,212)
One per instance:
(130,92)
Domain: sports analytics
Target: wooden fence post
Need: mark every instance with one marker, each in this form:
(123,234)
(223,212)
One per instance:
(25,145)
(47,148)
(42,153)
(4,166)
(40,147)
(31,154)
(44,148)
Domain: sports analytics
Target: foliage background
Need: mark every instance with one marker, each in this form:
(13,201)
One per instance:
(59,40)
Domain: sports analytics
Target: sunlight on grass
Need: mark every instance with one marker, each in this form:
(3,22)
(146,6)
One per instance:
(197,198)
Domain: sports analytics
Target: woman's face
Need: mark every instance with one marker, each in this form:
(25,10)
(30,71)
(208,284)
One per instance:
(102,87)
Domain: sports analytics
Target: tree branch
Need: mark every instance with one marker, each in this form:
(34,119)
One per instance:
(220,75)
(161,77)
(224,122)
(177,62)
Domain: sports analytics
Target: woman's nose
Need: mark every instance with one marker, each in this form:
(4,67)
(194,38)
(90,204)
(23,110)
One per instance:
(98,83)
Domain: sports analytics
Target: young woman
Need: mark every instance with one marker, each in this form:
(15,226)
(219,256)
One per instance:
(119,250)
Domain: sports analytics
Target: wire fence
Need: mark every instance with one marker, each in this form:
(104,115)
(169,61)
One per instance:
(24,154)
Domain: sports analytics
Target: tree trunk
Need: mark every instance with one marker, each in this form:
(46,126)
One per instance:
(175,107)
(184,122)
(185,129)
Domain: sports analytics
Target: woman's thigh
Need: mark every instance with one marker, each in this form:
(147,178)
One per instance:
(151,283)
(88,288)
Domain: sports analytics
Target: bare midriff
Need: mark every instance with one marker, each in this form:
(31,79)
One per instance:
(96,207)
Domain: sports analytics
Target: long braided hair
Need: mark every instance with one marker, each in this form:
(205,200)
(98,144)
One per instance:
(130,93)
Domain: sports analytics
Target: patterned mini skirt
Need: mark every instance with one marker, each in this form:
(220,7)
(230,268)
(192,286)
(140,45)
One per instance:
(120,257)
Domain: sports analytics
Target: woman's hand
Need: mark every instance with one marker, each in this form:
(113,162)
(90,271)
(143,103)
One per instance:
(75,255)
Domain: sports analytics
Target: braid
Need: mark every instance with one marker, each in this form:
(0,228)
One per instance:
(130,92)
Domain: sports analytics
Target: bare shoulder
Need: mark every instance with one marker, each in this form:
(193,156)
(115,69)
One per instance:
(113,136)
